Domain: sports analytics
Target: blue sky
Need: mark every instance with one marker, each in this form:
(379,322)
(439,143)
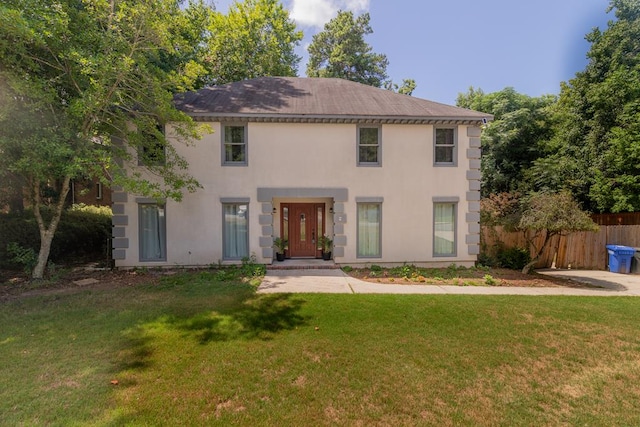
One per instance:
(448,46)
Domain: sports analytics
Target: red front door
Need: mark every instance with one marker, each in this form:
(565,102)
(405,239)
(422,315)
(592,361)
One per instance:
(302,222)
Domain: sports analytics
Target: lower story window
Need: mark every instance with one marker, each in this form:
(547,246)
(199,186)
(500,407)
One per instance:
(153,232)
(444,229)
(235,236)
(369,241)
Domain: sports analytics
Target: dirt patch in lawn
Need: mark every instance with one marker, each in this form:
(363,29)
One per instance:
(463,277)
(15,284)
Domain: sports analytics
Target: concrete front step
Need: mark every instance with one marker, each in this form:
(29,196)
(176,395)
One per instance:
(303,264)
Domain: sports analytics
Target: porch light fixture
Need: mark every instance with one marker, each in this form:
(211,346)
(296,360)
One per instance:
(331,210)
(274,210)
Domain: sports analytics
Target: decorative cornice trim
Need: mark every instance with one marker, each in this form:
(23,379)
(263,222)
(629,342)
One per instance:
(211,117)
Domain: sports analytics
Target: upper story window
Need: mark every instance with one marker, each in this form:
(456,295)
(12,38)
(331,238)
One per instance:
(369,146)
(445,147)
(234,145)
(152,151)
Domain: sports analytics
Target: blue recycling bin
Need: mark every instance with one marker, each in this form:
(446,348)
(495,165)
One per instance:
(620,258)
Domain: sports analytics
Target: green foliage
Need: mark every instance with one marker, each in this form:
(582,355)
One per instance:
(26,257)
(340,51)
(513,258)
(554,213)
(77,76)
(514,139)
(596,147)
(280,244)
(256,38)
(325,243)
(251,269)
(489,280)
(538,214)
(82,235)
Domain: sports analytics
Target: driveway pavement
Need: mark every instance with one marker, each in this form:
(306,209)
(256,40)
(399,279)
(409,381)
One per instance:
(336,281)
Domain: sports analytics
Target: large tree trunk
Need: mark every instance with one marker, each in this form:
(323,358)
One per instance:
(47,232)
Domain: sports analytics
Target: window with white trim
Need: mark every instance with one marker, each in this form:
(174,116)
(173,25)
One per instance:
(234,145)
(444,229)
(152,225)
(445,146)
(369,146)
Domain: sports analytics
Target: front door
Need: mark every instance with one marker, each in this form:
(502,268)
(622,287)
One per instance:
(304,221)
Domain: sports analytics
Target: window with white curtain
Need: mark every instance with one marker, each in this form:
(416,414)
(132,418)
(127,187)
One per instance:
(369,230)
(235,235)
(444,229)
(153,232)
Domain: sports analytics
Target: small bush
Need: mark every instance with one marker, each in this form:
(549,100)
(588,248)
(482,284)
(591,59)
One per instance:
(513,258)
(502,257)
(376,268)
(83,233)
(489,280)
(26,257)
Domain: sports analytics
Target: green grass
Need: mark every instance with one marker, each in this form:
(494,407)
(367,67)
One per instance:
(198,350)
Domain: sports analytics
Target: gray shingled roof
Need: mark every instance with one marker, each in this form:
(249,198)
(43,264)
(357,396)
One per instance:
(315,98)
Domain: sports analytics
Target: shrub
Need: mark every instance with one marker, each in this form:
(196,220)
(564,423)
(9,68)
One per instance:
(83,233)
(26,257)
(513,258)
(503,257)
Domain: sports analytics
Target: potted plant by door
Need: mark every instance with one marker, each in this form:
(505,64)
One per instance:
(280,244)
(327,245)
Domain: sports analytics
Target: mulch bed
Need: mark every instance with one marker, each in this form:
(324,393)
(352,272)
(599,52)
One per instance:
(15,284)
(471,277)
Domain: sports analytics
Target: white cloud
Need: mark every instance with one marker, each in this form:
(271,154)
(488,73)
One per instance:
(316,13)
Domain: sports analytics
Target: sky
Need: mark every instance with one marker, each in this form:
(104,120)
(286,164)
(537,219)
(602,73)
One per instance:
(447,46)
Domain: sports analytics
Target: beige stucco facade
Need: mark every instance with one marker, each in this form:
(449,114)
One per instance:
(315,162)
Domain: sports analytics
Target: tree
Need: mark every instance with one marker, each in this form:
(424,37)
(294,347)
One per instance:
(406,88)
(76,75)
(597,137)
(537,215)
(514,140)
(340,51)
(255,39)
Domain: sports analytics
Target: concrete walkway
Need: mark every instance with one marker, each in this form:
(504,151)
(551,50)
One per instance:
(336,281)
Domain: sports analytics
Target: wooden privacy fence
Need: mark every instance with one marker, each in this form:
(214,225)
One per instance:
(579,250)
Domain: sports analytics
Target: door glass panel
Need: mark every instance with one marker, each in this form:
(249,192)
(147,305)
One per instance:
(320,224)
(285,223)
(303,228)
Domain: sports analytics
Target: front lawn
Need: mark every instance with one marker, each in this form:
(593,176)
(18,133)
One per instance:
(202,348)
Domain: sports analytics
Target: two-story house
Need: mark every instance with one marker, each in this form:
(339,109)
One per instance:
(389,177)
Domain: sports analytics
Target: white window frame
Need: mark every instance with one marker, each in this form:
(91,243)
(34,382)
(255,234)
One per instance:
(453,146)
(224,130)
(377,145)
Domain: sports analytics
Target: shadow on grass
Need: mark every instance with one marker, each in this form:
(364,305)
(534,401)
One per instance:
(258,317)
(251,317)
